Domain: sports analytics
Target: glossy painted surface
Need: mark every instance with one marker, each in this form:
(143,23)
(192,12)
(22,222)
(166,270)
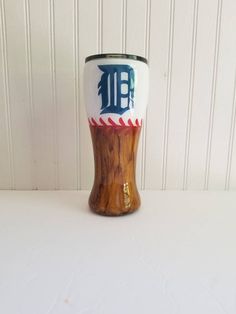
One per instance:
(112,85)
(114,191)
(116,93)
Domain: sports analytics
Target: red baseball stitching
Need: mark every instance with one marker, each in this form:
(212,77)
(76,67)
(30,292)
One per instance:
(94,122)
(130,122)
(111,122)
(90,123)
(121,122)
(102,121)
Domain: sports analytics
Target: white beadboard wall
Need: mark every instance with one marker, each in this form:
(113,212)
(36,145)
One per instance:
(188,139)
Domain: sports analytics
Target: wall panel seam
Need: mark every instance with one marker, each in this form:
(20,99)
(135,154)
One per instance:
(168,93)
(100,25)
(76,97)
(190,94)
(144,127)
(30,89)
(124,25)
(7,95)
(54,90)
(231,139)
(213,95)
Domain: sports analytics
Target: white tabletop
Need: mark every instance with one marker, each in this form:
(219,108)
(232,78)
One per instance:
(177,254)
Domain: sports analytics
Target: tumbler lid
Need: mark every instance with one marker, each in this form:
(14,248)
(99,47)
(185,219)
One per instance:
(116,55)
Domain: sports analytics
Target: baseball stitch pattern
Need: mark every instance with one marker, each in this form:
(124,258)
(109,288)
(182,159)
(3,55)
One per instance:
(111,122)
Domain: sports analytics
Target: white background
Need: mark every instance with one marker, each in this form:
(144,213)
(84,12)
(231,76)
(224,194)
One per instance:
(188,139)
(176,255)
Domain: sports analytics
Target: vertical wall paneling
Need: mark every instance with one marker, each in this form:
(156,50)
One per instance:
(213,94)
(168,92)
(135,44)
(223,98)
(158,61)
(144,129)
(53,82)
(204,69)
(76,90)
(179,94)
(230,182)
(44,110)
(6,156)
(90,21)
(112,25)
(100,26)
(20,113)
(28,56)
(188,136)
(124,26)
(190,93)
(65,102)
(135,26)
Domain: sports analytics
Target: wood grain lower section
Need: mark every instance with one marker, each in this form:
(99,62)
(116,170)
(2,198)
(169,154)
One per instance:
(114,191)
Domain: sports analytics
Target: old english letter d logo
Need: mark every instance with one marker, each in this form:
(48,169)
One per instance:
(116,88)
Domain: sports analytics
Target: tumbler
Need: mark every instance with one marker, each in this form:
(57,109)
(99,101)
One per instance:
(116,93)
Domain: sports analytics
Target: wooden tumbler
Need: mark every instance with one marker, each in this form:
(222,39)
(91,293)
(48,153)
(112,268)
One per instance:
(116,91)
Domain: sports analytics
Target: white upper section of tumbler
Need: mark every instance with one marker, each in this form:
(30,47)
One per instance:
(116,88)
